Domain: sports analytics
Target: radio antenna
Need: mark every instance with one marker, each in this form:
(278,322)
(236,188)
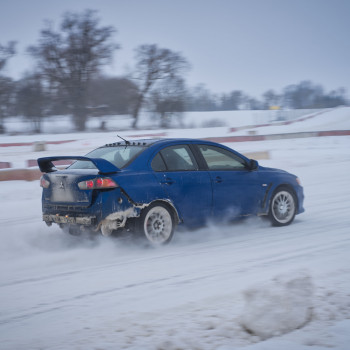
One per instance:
(126,142)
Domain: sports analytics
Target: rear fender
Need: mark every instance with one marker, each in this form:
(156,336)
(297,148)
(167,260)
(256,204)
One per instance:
(171,206)
(119,218)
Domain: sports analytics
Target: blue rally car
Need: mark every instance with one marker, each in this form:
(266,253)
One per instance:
(151,186)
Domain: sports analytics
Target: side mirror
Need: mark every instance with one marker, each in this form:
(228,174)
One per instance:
(253,164)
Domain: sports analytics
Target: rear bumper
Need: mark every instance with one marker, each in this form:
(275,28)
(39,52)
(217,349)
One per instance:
(104,204)
(66,219)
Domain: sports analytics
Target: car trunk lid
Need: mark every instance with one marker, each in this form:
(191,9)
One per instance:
(64,190)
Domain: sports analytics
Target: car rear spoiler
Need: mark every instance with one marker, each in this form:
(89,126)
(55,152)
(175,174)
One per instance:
(103,166)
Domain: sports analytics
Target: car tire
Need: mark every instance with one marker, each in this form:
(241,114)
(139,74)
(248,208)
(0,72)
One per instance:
(283,207)
(157,224)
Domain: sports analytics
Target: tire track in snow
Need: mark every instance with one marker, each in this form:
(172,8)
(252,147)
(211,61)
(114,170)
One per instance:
(239,241)
(19,221)
(261,262)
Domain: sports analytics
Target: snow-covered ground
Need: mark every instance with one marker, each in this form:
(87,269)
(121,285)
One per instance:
(325,120)
(62,124)
(246,285)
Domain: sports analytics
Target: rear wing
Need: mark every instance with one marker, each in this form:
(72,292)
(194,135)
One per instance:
(103,166)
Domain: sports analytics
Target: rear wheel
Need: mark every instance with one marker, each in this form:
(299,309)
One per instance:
(156,223)
(282,207)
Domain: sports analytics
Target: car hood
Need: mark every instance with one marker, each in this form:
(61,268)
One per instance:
(275,170)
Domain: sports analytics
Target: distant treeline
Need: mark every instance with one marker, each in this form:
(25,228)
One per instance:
(68,80)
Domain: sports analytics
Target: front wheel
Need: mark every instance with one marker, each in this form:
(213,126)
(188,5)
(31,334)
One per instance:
(157,224)
(282,207)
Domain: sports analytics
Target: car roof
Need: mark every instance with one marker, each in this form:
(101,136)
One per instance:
(149,142)
(151,145)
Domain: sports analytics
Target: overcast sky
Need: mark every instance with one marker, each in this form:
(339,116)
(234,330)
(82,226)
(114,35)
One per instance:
(250,45)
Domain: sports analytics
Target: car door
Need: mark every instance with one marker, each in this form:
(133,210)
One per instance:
(236,189)
(189,189)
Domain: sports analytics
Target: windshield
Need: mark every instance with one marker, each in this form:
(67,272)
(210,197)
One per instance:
(120,156)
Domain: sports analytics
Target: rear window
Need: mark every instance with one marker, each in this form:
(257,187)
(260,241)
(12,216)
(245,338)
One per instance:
(120,156)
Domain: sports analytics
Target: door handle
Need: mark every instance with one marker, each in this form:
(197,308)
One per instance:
(167,181)
(218,179)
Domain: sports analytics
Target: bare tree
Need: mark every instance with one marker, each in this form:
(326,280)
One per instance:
(232,101)
(271,98)
(7,88)
(114,95)
(32,99)
(200,98)
(168,99)
(154,65)
(303,95)
(71,57)
(6,84)
(252,103)
(6,51)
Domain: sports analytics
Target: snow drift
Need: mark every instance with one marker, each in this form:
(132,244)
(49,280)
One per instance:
(279,306)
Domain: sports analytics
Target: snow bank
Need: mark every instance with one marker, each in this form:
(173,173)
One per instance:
(278,307)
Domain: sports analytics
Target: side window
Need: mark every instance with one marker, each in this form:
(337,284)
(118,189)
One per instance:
(177,158)
(158,163)
(221,159)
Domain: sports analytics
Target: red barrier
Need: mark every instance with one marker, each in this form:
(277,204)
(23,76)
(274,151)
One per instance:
(20,174)
(33,162)
(236,138)
(278,136)
(161,134)
(34,174)
(334,133)
(32,143)
(5,165)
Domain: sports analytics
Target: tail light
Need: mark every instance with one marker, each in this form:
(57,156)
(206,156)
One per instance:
(97,184)
(44,183)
